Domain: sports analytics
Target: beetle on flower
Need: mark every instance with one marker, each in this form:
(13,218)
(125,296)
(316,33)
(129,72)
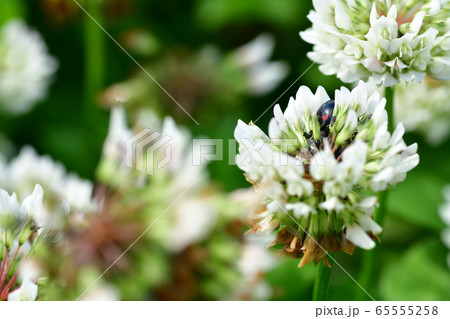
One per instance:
(318,179)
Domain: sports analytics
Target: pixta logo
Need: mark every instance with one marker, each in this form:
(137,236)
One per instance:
(148,151)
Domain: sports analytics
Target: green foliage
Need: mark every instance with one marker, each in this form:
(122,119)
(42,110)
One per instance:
(11,9)
(417,198)
(289,282)
(420,273)
(219,13)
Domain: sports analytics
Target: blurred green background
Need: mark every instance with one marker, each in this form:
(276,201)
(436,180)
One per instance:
(70,125)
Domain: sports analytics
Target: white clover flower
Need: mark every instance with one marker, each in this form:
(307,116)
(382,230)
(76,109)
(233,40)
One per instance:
(27,291)
(172,150)
(174,153)
(13,214)
(195,215)
(444,211)
(321,163)
(119,133)
(425,108)
(17,224)
(254,262)
(192,219)
(64,192)
(262,76)
(26,68)
(389,40)
(112,168)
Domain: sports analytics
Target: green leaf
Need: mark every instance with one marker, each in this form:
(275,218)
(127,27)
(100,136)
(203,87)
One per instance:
(421,274)
(290,282)
(417,199)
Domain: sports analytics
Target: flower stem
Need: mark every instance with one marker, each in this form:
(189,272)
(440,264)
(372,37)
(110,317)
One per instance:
(382,198)
(3,266)
(367,274)
(7,267)
(94,119)
(389,95)
(93,54)
(323,275)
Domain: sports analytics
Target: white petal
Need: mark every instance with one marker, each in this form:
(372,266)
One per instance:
(332,204)
(368,224)
(342,19)
(32,205)
(359,237)
(299,209)
(373,14)
(27,292)
(416,24)
(392,12)
(256,51)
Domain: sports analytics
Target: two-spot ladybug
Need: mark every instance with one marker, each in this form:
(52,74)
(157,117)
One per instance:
(325,113)
(325,117)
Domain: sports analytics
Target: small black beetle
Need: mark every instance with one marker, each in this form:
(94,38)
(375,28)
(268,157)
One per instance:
(325,114)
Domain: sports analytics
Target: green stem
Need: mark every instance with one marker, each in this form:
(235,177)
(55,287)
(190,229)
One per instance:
(367,274)
(94,120)
(320,292)
(93,54)
(389,95)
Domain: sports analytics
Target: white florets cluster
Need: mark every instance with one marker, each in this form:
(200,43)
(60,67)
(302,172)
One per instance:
(173,171)
(199,215)
(324,176)
(389,40)
(263,75)
(425,108)
(444,211)
(26,68)
(65,192)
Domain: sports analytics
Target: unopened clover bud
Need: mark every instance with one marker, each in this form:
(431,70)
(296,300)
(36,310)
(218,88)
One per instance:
(348,129)
(26,232)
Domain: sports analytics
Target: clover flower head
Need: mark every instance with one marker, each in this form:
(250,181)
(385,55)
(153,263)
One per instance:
(319,167)
(65,192)
(28,291)
(425,108)
(15,215)
(387,40)
(26,68)
(195,216)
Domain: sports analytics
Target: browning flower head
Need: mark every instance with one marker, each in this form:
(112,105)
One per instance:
(387,40)
(318,170)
